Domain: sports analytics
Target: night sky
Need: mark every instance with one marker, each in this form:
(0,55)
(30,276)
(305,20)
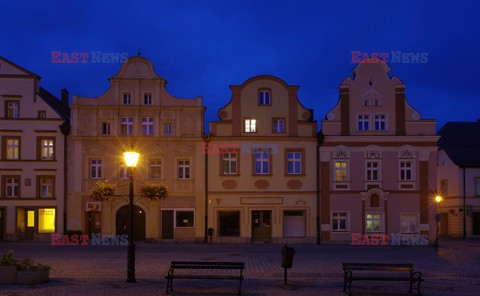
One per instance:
(202,47)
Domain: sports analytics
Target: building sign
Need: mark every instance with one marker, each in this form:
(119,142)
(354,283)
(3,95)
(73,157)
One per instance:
(46,220)
(93,207)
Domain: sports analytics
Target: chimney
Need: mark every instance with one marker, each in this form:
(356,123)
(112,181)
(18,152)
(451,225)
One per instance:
(65,97)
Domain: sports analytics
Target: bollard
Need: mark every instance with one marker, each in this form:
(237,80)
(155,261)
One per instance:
(210,231)
(287,260)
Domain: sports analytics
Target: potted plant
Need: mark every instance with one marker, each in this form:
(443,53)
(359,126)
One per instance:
(8,268)
(31,273)
(153,192)
(103,191)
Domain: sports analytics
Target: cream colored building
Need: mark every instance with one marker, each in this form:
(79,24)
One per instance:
(262,166)
(32,156)
(167,131)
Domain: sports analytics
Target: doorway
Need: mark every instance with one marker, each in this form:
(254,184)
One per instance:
(138,222)
(26,223)
(476,223)
(262,226)
(2,224)
(443,231)
(94,223)
(167,224)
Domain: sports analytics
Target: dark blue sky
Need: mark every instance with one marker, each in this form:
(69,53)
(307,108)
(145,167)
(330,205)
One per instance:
(201,47)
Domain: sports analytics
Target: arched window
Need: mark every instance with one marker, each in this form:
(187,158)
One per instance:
(374,201)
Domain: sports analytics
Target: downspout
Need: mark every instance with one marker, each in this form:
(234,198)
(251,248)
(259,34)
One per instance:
(65,129)
(205,151)
(319,141)
(464,208)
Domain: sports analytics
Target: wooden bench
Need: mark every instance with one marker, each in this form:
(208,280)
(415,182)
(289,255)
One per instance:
(414,277)
(203,275)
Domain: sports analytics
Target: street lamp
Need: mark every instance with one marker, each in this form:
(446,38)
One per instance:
(131,159)
(438,200)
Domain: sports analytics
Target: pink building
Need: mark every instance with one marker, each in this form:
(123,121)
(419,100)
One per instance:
(377,160)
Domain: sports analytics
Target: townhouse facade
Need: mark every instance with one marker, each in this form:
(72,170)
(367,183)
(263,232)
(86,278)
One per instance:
(33,130)
(137,111)
(261,166)
(458,179)
(377,160)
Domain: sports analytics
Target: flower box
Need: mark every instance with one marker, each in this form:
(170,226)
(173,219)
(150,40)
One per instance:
(32,277)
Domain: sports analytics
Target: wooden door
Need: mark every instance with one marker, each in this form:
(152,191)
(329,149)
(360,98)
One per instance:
(167,224)
(262,226)
(2,224)
(30,221)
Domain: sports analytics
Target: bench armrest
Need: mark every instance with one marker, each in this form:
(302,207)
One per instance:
(416,276)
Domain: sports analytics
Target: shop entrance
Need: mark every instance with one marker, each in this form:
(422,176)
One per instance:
(262,226)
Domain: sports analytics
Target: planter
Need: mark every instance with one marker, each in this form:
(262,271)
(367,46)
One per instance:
(8,275)
(32,277)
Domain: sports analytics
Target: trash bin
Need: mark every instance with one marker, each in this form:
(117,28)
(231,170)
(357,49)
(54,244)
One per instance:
(287,256)
(210,231)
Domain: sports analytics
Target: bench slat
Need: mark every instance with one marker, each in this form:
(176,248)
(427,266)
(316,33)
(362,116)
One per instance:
(205,277)
(379,278)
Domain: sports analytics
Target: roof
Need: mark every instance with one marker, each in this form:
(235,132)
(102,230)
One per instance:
(20,68)
(55,103)
(461,142)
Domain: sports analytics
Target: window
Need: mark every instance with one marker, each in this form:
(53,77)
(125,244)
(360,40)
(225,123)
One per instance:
(184,218)
(155,169)
(230,162)
(409,223)
(477,186)
(47,148)
(444,188)
(105,128)
(183,169)
(147,126)
(12,109)
(127,99)
(363,122)
(373,171)
(366,102)
(11,148)
(264,97)
(340,171)
(167,129)
(294,162)
(340,221)
(262,162)
(95,169)
(11,185)
(373,222)
(229,223)
(42,114)
(380,122)
(374,201)
(127,125)
(250,125)
(46,186)
(406,170)
(46,220)
(278,125)
(147,99)
(124,172)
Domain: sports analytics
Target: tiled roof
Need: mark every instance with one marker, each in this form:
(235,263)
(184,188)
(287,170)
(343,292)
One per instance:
(461,142)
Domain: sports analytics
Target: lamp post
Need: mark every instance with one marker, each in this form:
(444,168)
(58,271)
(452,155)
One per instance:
(131,159)
(438,199)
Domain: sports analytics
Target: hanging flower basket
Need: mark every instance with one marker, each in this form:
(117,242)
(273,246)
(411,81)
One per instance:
(153,192)
(103,191)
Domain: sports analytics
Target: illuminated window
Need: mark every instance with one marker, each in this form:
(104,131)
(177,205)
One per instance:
(30,218)
(47,147)
(340,171)
(264,97)
(250,125)
(373,222)
(155,169)
(46,186)
(12,148)
(46,220)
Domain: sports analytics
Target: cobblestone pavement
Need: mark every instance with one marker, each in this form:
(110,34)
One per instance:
(101,270)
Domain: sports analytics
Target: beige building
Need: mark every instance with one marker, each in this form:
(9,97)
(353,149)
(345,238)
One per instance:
(378,160)
(32,167)
(167,131)
(458,179)
(262,166)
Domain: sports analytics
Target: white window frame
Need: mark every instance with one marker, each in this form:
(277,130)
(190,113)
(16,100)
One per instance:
(106,128)
(127,122)
(175,211)
(123,172)
(296,162)
(183,167)
(10,184)
(13,110)
(229,158)
(147,126)
(127,98)
(262,160)
(250,125)
(380,121)
(416,220)
(277,127)
(381,219)
(155,163)
(168,129)
(338,218)
(346,169)
(14,146)
(400,169)
(48,145)
(147,98)
(46,186)
(262,99)
(372,169)
(95,165)
(362,120)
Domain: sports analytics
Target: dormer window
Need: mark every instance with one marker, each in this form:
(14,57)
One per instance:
(127,99)
(264,97)
(12,109)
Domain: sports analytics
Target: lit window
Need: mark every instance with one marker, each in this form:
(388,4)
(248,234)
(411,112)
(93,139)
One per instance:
(409,223)
(279,125)
(340,221)
(46,220)
(380,122)
(363,122)
(96,169)
(373,171)
(167,129)
(12,186)
(294,162)
(250,125)
(340,171)
(183,169)
(262,161)
(127,99)
(406,170)
(264,97)
(46,186)
(127,125)
(105,128)
(155,169)
(147,126)
(184,218)
(12,148)
(373,222)
(229,163)
(12,109)
(147,99)
(47,148)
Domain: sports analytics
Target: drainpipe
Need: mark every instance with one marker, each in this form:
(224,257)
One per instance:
(65,129)
(206,139)
(319,141)
(464,208)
